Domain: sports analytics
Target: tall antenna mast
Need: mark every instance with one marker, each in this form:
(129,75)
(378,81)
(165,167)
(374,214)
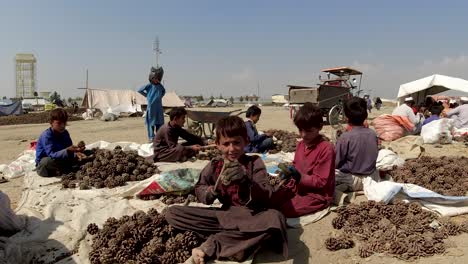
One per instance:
(156,50)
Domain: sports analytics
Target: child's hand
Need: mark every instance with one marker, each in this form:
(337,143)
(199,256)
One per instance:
(232,171)
(73,149)
(196,147)
(81,156)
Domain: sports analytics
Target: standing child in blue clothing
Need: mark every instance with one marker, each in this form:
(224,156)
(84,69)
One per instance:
(257,143)
(154,92)
(356,150)
(55,152)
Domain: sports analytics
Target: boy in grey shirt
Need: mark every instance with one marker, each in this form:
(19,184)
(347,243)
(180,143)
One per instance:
(356,150)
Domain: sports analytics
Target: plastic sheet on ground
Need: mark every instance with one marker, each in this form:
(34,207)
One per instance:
(444,205)
(55,219)
(409,147)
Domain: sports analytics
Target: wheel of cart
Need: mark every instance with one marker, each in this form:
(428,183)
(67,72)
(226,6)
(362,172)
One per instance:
(203,122)
(336,117)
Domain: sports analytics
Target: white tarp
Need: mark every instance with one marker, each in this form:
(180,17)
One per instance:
(431,85)
(385,191)
(126,100)
(55,219)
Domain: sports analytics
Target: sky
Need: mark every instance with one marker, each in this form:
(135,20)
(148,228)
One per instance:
(231,48)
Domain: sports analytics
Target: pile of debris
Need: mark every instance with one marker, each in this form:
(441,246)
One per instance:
(32,118)
(140,238)
(445,175)
(287,141)
(110,168)
(402,230)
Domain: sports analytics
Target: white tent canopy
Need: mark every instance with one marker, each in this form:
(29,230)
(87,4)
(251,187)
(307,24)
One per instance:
(124,100)
(431,85)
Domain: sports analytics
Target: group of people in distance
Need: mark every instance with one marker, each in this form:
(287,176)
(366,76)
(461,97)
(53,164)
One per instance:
(253,212)
(432,110)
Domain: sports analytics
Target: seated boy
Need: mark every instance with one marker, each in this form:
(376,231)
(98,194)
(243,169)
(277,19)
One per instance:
(315,161)
(356,150)
(165,144)
(257,143)
(55,152)
(240,183)
(435,114)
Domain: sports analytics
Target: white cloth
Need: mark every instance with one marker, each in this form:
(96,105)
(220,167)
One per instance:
(405,110)
(460,115)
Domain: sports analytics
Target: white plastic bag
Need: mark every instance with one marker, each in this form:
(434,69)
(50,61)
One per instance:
(438,131)
(387,159)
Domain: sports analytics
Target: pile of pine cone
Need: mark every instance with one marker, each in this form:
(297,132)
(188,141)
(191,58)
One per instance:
(208,154)
(287,140)
(110,168)
(141,238)
(171,199)
(402,230)
(445,175)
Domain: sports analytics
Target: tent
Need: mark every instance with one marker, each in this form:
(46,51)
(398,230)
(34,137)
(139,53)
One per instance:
(124,100)
(431,85)
(11,109)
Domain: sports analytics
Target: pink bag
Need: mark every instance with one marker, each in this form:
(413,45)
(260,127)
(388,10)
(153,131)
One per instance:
(390,127)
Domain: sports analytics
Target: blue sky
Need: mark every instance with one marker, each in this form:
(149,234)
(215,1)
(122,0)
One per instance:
(227,47)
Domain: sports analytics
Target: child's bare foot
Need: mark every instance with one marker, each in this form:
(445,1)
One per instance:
(198,256)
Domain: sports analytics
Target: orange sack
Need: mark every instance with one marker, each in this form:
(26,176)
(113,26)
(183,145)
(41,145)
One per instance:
(392,127)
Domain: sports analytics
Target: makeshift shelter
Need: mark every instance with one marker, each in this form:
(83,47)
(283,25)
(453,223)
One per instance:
(15,108)
(124,100)
(431,85)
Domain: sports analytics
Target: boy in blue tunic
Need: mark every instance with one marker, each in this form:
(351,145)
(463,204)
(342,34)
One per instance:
(154,92)
(55,152)
(257,143)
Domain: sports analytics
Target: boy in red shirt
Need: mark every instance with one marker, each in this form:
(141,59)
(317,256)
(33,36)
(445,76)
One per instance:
(315,161)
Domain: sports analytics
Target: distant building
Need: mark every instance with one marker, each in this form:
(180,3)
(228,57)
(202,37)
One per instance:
(25,65)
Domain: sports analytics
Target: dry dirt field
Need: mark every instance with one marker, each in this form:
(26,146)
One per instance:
(306,245)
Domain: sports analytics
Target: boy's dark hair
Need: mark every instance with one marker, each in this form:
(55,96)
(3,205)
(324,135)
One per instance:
(177,112)
(58,114)
(308,116)
(436,110)
(253,111)
(355,110)
(231,126)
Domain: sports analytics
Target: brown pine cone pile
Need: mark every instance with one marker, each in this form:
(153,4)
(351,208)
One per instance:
(402,230)
(445,175)
(140,238)
(110,168)
(208,154)
(287,140)
(171,199)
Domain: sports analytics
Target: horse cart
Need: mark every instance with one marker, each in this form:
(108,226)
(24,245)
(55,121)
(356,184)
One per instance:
(203,122)
(329,95)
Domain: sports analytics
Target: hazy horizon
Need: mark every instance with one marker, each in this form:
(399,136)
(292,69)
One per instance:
(228,48)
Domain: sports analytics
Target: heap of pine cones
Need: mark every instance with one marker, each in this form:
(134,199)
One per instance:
(402,230)
(140,238)
(445,175)
(110,168)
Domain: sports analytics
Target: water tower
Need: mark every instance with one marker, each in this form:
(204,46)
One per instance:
(25,65)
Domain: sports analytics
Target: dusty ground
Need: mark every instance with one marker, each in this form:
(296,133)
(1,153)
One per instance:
(308,249)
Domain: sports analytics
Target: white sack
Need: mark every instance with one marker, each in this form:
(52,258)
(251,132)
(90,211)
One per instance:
(438,131)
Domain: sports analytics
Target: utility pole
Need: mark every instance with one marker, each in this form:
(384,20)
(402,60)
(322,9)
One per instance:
(156,50)
(258,89)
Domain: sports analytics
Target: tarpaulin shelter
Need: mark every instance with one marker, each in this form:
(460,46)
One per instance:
(15,108)
(124,100)
(431,85)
